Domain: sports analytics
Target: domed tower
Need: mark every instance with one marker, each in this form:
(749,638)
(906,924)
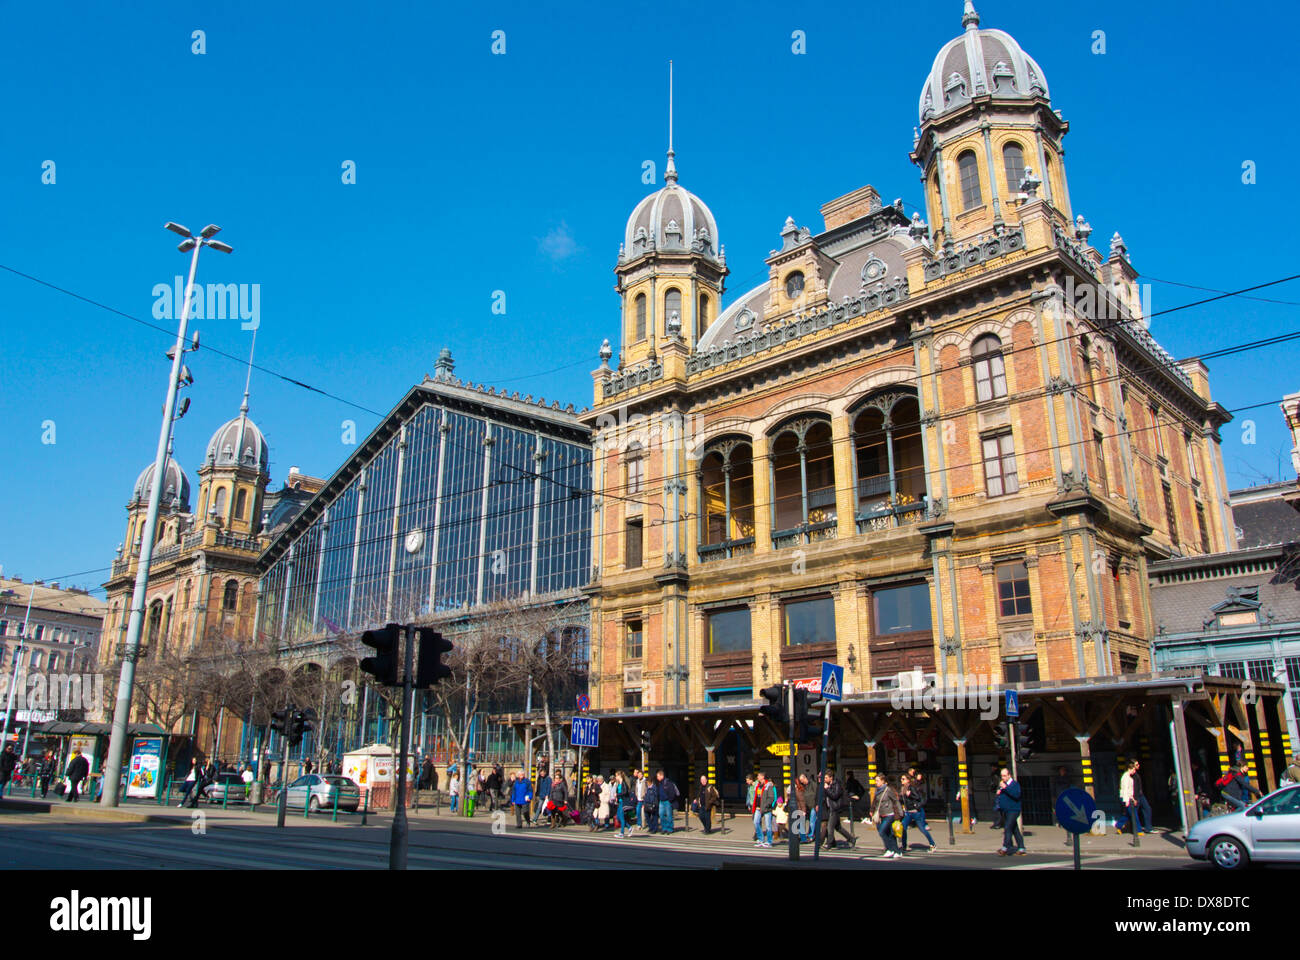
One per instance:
(671,270)
(175,500)
(234,476)
(988,137)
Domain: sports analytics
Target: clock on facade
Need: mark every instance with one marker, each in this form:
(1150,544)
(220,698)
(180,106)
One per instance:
(414,540)
(794,285)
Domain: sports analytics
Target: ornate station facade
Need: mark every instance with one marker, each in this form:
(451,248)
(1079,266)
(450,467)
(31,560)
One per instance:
(942,444)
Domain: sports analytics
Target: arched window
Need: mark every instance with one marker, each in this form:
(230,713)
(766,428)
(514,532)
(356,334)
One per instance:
(1085,368)
(1013,161)
(635,459)
(155,624)
(1047,175)
(702,318)
(54,661)
(640,317)
(990,371)
(230,598)
(891,463)
(969,172)
(672,305)
(220,502)
(241,503)
(727,498)
(803,484)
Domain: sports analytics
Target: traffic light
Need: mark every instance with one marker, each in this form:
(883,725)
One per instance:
(810,708)
(1024,749)
(280,722)
(383,666)
(645,742)
(775,707)
(302,724)
(430,670)
(1001,736)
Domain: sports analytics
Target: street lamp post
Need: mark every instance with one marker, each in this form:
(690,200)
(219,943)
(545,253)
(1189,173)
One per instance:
(121,713)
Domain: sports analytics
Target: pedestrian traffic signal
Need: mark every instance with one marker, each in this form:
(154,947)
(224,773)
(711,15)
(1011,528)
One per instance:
(280,722)
(383,666)
(430,670)
(645,742)
(1024,748)
(1001,736)
(775,708)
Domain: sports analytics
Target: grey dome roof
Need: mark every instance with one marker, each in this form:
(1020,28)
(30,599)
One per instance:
(238,442)
(671,220)
(979,63)
(176,487)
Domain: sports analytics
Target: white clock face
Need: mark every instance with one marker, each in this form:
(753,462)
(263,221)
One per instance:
(414,540)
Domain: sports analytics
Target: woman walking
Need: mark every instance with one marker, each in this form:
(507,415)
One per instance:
(621,803)
(886,812)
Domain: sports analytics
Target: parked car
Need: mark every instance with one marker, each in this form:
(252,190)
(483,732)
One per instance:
(226,783)
(1268,831)
(318,791)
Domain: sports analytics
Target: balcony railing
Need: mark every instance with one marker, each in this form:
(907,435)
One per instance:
(805,533)
(727,549)
(890,517)
(239,543)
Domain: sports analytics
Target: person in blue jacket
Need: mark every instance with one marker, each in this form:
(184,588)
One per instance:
(521,795)
(1008,801)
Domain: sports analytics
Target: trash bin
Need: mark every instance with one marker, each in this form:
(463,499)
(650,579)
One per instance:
(255,792)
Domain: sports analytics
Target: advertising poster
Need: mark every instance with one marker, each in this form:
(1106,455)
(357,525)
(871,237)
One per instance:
(87,747)
(146,764)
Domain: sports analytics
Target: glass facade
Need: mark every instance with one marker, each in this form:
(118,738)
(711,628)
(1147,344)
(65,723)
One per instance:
(457,508)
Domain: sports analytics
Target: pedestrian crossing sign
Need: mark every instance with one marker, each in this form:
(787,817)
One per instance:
(832,681)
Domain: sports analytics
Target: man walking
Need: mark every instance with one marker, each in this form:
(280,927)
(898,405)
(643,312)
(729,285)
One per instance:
(1008,803)
(804,795)
(651,804)
(667,797)
(78,770)
(833,802)
(1239,790)
(1135,803)
(705,803)
(638,791)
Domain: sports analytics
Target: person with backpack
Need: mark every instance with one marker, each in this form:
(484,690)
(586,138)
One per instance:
(650,800)
(1238,790)
(704,804)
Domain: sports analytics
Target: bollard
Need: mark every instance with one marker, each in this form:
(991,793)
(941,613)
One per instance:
(947,805)
(225,797)
(306,803)
(335,818)
(365,806)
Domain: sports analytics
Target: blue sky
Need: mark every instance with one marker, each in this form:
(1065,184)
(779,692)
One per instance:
(477,172)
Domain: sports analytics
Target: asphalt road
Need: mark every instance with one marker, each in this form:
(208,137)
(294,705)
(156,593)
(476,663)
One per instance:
(45,841)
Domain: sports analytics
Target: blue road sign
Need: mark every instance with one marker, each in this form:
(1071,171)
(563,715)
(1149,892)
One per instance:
(585,732)
(1013,704)
(1074,810)
(832,681)
(584,703)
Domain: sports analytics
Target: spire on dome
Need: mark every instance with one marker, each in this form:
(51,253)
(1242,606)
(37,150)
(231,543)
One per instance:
(670,171)
(970,19)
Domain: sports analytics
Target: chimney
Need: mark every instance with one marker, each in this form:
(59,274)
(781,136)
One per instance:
(850,207)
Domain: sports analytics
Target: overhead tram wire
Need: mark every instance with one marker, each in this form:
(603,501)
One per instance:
(578,491)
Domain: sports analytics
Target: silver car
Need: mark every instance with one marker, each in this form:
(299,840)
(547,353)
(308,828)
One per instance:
(1267,831)
(226,783)
(318,791)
